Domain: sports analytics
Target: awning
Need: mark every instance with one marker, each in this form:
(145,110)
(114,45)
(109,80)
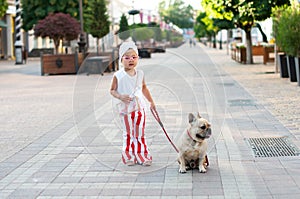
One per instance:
(3,24)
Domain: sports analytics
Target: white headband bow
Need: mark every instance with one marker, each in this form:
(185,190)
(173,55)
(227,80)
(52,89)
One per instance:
(126,46)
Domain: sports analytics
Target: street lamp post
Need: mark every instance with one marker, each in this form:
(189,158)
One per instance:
(81,42)
(18,43)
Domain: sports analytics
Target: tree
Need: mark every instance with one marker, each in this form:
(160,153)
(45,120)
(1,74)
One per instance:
(216,20)
(33,10)
(124,32)
(288,28)
(96,19)
(264,36)
(58,26)
(211,30)
(3,7)
(200,27)
(177,13)
(222,24)
(244,14)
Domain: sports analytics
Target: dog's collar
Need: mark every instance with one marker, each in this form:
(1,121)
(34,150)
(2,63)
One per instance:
(187,131)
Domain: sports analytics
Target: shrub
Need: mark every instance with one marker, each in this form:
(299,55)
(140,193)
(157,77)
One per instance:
(287,32)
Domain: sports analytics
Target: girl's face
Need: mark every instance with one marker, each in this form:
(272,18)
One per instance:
(130,59)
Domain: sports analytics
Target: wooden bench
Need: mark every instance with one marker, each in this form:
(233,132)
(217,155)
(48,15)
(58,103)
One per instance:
(239,53)
(61,63)
(113,59)
(267,51)
(95,65)
(263,51)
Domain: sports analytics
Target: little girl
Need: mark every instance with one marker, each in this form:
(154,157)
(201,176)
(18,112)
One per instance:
(129,87)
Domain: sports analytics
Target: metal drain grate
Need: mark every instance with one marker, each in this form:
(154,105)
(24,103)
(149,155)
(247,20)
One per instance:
(226,84)
(241,102)
(272,147)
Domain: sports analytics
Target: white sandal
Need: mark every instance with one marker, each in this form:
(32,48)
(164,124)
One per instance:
(130,163)
(147,163)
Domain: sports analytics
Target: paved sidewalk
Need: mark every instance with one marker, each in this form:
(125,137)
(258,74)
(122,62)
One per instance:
(61,139)
(280,96)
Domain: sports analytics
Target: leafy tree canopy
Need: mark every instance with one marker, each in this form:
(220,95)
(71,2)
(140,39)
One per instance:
(242,12)
(33,10)
(58,26)
(177,13)
(3,7)
(200,27)
(124,32)
(288,28)
(96,18)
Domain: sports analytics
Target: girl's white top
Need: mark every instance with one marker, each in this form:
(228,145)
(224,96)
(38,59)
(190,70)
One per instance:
(131,85)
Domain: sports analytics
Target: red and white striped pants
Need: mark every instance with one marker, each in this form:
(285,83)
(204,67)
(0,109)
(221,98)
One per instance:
(134,142)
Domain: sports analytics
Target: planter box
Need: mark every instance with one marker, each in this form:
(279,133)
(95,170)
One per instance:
(297,65)
(233,53)
(267,50)
(283,66)
(263,51)
(292,68)
(61,64)
(257,50)
(241,55)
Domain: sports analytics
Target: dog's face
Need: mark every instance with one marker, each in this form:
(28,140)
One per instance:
(199,128)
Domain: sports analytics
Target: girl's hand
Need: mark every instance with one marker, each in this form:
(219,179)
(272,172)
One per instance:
(125,98)
(152,106)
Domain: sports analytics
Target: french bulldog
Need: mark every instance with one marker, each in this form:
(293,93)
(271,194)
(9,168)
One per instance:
(192,145)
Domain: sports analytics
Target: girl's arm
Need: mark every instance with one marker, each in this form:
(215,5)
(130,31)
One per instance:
(114,92)
(147,94)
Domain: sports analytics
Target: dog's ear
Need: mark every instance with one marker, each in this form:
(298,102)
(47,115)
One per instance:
(191,118)
(208,125)
(198,115)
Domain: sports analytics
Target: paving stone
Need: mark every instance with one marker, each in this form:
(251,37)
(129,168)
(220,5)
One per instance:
(62,144)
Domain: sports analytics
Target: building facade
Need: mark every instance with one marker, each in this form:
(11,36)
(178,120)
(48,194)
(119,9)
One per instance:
(7,32)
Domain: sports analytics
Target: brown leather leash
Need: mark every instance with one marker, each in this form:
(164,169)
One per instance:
(156,116)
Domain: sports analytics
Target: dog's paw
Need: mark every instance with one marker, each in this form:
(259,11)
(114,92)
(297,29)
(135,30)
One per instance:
(182,170)
(202,169)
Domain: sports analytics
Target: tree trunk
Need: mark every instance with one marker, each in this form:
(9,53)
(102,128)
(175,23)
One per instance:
(264,37)
(220,47)
(56,44)
(214,41)
(249,47)
(97,45)
(103,47)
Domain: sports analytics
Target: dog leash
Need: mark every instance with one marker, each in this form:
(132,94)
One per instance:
(156,116)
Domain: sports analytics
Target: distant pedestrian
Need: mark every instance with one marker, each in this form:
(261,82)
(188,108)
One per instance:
(191,42)
(129,89)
